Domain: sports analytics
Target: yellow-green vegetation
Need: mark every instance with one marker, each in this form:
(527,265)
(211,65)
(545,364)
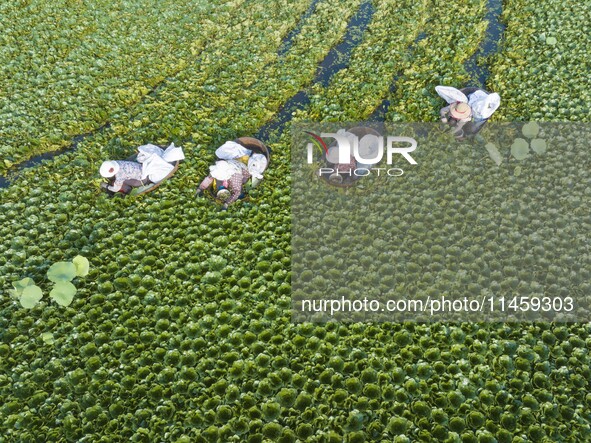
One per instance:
(542,72)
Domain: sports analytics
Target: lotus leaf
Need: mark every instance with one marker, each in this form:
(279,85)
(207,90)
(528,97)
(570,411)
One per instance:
(551,41)
(61,272)
(30,296)
(63,293)
(19,286)
(82,265)
(538,145)
(530,130)
(520,149)
(48,338)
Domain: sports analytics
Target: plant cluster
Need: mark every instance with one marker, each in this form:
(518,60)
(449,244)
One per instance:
(69,74)
(61,274)
(540,72)
(450,226)
(438,59)
(355,92)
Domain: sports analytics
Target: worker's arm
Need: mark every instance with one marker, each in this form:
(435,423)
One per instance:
(235,187)
(444,112)
(206,183)
(117,184)
(457,128)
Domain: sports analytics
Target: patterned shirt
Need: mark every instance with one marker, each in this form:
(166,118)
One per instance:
(234,183)
(127,171)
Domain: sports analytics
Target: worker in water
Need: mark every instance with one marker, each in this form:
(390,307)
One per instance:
(456,115)
(122,175)
(229,175)
(468,109)
(153,165)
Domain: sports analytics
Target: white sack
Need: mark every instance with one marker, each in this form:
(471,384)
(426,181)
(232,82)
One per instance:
(451,95)
(483,105)
(145,151)
(257,164)
(173,154)
(231,150)
(156,168)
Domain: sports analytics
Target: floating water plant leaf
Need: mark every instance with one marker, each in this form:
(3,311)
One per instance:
(63,293)
(61,271)
(520,149)
(530,130)
(82,265)
(538,145)
(30,296)
(47,338)
(20,285)
(494,153)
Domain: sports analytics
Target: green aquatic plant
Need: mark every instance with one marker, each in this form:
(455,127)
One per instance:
(61,274)
(520,149)
(538,145)
(530,130)
(170,345)
(29,295)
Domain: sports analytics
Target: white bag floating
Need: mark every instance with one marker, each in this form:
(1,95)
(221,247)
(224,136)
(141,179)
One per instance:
(156,162)
(145,151)
(257,164)
(156,169)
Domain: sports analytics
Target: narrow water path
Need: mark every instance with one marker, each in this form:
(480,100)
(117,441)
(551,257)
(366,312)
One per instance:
(380,112)
(479,73)
(5,181)
(337,58)
(37,159)
(287,41)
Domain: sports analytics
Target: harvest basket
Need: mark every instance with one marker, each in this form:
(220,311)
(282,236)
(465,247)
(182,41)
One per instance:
(255,145)
(149,187)
(470,129)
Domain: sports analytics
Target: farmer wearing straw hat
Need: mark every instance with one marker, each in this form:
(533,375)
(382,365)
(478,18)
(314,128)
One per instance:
(468,105)
(456,115)
(123,175)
